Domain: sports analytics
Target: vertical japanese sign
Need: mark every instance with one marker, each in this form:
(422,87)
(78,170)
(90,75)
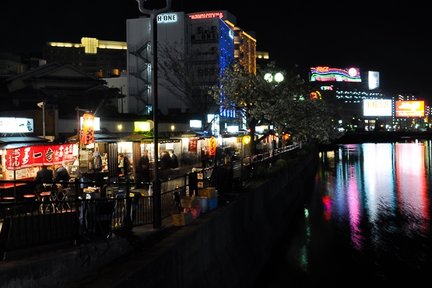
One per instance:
(193,145)
(212,146)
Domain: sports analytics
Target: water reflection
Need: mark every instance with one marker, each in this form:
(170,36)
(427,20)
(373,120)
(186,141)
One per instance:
(411,187)
(369,218)
(383,184)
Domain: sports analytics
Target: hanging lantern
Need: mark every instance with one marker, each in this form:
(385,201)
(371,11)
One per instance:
(87,131)
(212,146)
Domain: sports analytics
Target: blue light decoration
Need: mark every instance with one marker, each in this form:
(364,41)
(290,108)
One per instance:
(226,57)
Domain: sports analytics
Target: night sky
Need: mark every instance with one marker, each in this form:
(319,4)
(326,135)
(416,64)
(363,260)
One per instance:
(390,39)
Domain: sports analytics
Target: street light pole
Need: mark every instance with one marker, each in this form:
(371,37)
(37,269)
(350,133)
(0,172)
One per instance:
(43,120)
(157,217)
(42,105)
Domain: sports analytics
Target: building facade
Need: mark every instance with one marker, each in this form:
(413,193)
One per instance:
(193,51)
(361,104)
(99,58)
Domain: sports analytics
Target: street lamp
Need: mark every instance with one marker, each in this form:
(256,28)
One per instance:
(277,77)
(157,220)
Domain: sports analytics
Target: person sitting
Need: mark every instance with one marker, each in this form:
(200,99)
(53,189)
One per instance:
(62,175)
(43,176)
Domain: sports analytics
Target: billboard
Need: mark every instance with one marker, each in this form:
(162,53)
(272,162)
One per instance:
(409,108)
(17,158)
(377,107)
(328,74)
(373,80)
(16,125)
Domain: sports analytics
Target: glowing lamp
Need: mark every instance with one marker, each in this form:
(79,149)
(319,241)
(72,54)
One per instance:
(246,139)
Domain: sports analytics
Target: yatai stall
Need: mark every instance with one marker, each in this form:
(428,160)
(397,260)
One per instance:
(20,164)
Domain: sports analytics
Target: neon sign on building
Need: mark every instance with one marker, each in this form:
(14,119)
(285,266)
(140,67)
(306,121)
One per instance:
(206,15)
(409,108)
(325,73)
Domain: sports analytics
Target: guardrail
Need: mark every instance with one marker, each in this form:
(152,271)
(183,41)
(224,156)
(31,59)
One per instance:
(78,212)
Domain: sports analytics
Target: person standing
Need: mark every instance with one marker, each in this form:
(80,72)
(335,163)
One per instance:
(174,160)
(193,183)
(123,165)
(97,161)
(143,171)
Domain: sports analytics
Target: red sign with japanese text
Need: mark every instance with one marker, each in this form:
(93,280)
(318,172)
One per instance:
(87,132)
(193,145)
(212,146)
(23,157)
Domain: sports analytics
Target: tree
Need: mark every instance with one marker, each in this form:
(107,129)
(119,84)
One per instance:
(182,75)
(285,104)
(244,91)
(308,119)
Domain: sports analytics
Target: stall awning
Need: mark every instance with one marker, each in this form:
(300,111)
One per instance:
(18,141)
(103,137)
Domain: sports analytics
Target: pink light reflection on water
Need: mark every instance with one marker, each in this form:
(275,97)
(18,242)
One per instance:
(411,186)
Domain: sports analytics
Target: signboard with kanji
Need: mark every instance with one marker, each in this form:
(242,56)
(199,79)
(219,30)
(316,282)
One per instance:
(87,132)
(23,157)
(212,146)
(192,145)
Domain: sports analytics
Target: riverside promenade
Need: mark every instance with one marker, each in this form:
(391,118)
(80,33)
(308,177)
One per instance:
(226,247)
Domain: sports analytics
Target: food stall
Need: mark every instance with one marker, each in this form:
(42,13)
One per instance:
(21,163)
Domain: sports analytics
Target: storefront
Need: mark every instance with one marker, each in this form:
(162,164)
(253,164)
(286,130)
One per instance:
(21,162)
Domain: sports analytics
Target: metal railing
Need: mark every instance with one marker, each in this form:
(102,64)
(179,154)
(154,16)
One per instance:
(77,212)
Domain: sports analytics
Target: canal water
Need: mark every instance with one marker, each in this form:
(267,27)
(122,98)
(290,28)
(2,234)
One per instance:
(367,222)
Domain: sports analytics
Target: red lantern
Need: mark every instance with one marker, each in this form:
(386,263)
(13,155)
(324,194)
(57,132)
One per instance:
(87,132)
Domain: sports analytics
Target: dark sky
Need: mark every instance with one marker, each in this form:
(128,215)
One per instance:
(390,39)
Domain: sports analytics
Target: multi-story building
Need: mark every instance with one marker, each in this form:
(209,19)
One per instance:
(171,31)
(193,51)
(100,58)
(244,48)
(347,88)
(362,105)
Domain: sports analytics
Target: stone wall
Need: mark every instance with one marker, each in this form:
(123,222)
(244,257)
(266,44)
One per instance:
(227,247)
(230,246)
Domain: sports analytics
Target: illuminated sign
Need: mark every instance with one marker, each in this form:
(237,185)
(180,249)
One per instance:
(409,108)
(167,18)
(377,107)
(195,123)
(232,129)
(373,80)
(96,123)
(212,146)
(16,125)
(327,88)
(325,73)
(87,131)
(38,155)
(206,15)
(143,126)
